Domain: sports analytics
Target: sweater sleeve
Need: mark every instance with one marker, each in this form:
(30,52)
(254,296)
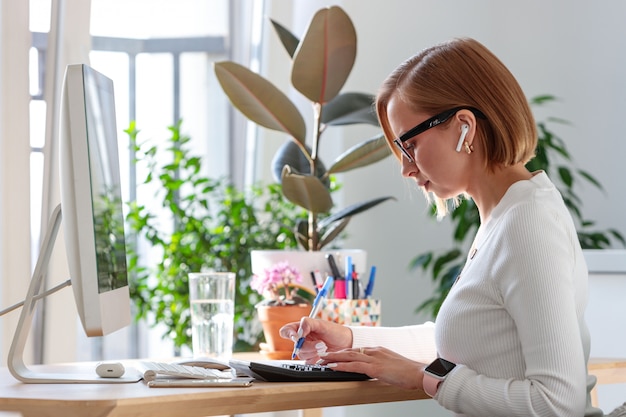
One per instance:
(414,342)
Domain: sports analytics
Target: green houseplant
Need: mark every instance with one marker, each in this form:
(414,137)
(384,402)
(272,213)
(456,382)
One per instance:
(321,64)
(209,224)
(552,157)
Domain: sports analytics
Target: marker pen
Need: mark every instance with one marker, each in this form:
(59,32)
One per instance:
(340,285)
(357,289)
(314,282)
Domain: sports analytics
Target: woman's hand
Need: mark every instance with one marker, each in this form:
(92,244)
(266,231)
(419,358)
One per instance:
(321,335)
(380,363)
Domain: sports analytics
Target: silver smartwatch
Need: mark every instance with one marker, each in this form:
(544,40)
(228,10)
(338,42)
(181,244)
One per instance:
(435,374)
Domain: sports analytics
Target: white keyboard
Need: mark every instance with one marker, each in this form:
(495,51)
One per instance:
(152,370)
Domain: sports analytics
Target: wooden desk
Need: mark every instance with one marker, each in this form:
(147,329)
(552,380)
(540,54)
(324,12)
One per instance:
(137,400)
(607,371)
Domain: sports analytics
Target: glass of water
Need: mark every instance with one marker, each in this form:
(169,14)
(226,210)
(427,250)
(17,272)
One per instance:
(212,302)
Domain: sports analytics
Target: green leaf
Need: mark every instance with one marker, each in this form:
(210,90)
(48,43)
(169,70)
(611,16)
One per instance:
(590,178)
(566,176)
(443,260)
(542,99)
(350,108)
(288,39)
(289,153)
(301,231)
(325,56)
(422,261)
(467,218)
(618,236)
(259,100)
(362,154)
(306,191)
(332,232)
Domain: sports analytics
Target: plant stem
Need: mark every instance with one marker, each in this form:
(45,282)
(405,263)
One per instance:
(317,120)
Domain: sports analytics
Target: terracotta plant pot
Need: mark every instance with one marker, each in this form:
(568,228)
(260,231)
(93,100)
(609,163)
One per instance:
(272,318)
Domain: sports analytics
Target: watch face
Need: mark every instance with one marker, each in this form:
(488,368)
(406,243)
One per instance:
(440,367)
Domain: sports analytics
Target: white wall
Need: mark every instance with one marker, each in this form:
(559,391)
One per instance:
(573,49)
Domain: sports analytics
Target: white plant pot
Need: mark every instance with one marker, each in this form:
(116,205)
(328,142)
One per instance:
(306,262)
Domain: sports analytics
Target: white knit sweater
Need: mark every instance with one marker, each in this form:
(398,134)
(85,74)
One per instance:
(514,321)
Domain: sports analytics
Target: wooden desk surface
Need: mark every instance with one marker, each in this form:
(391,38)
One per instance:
(608,370)
(137,400)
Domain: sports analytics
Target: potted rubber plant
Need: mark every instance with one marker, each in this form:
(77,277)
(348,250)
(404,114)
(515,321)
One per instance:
(321,63)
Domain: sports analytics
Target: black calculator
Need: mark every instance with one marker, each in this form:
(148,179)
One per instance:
(287,371)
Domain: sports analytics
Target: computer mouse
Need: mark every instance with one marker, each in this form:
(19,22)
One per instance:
(205,363)
(110,369)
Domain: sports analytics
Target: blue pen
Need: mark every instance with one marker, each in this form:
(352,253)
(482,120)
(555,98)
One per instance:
(349,282)
(370,283)
(316,306)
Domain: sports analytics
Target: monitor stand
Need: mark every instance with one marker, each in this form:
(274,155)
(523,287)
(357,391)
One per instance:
(16,353)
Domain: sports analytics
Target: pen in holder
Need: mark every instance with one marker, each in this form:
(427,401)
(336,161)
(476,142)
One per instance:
(358,312)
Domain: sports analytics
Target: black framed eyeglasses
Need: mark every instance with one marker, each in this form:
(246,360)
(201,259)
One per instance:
(430,123)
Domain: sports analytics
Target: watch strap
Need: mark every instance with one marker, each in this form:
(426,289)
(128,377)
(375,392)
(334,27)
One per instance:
(431,384)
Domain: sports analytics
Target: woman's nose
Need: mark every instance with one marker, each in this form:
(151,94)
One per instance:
(408,167)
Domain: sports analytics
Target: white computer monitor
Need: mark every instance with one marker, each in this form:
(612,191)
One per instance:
(91,213)
(91,201)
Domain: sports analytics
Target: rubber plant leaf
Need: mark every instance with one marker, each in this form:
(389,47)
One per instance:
(259,100)
(350,108)
(362,154)
(291,154)
(325,55)
(351,211)
(306,191)
(333,231)
(288,39)
(301,231)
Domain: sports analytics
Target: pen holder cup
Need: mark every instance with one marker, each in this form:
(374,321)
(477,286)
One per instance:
(358,312)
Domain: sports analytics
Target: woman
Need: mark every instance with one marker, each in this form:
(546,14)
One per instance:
(510,338)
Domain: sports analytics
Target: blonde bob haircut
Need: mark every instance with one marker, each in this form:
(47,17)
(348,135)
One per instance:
(463,72)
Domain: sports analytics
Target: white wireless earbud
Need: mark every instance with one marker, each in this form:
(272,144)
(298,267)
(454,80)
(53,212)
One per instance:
(464,130)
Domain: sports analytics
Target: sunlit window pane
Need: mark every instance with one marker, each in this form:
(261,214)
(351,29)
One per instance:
(39,19)
(204,112)
(33,72)
(155,89)
(37,123)
(145,19)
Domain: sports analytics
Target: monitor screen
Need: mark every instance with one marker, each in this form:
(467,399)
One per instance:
(91,202)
